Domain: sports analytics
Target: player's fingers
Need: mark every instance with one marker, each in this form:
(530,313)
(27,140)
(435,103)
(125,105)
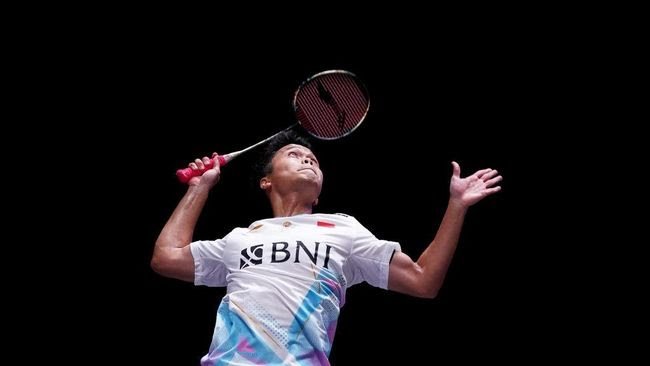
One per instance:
(489,175)
(493,181)
(199,163)
(481,172)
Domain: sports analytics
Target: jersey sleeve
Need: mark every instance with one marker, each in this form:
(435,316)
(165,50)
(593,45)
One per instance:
(209,267)
(369,259)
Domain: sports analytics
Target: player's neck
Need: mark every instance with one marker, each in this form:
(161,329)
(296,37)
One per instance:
(290,205)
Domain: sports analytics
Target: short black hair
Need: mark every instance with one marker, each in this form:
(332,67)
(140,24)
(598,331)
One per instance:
(264,166)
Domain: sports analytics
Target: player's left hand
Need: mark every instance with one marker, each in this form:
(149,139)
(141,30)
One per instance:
(471,189)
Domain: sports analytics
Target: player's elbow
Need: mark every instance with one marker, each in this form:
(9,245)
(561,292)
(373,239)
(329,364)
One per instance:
(424,286)
(426,293)
(162,264)
(431,294)
(157,264)
(420,290)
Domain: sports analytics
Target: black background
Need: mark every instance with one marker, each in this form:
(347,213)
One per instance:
(483,103)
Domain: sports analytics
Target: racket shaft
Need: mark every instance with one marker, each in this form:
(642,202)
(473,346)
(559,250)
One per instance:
(184,175)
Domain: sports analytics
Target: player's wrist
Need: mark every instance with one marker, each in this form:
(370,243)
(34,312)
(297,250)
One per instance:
(200,188)
(457,203)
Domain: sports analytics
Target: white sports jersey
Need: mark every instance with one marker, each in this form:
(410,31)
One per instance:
(286,279)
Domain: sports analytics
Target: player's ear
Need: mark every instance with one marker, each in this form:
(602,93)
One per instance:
(265,183)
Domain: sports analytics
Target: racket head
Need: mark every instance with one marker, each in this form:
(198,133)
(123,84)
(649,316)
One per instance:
(331,104)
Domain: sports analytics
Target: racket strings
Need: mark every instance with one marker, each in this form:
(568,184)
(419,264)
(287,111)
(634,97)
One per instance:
(331,105)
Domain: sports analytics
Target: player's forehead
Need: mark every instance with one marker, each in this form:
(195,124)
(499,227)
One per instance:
(295,147)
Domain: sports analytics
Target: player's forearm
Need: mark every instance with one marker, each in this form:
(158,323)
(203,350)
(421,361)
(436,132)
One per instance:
(436,258)
(179,229)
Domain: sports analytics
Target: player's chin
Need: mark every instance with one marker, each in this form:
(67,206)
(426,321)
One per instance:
(311,181)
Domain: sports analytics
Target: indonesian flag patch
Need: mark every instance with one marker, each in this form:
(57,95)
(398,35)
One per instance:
(325,224)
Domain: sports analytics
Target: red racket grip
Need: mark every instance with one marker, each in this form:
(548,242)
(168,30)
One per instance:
(184,175)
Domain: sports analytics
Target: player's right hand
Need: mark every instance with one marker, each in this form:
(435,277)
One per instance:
(211,176)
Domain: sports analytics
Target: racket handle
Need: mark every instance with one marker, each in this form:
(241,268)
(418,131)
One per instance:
(184,175)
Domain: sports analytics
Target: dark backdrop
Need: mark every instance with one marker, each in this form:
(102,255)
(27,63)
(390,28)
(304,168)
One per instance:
(483,105)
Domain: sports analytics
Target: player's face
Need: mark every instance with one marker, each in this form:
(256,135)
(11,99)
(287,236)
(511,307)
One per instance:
(295,166)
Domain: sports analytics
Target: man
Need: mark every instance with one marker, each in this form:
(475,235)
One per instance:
(287,276)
